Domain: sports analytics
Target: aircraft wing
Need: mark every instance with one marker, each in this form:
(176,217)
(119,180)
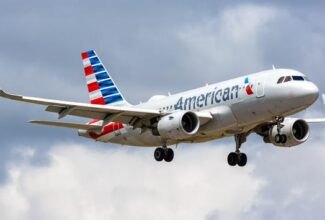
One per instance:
(127,115)
(315,120)
(100,112)
(67,125)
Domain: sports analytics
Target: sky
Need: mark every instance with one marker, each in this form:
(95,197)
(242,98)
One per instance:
(153,47)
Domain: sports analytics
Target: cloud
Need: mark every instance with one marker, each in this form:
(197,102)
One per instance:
(215,44)
(84,183)
(80,182)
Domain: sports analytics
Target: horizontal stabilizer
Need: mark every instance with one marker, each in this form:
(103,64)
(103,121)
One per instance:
(67,125)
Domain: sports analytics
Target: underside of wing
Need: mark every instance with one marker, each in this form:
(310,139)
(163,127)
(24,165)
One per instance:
(315,120)
(100,112)
(67,125)
(122,114)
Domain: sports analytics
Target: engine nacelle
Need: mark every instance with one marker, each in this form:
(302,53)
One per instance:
(178,125)
(296,131)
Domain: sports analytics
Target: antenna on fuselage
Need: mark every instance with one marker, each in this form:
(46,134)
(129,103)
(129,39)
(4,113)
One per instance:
(273,67)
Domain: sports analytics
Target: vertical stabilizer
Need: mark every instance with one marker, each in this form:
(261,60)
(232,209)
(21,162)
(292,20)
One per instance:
(101,87)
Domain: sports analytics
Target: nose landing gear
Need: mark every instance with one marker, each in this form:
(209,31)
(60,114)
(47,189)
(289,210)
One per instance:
(280,138)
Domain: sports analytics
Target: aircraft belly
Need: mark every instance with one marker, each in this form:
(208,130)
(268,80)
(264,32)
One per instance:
(251,111)
(134,137)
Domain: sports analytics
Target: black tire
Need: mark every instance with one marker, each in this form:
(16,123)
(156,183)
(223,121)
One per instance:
(159,154)
(284,139)
(242,160)
(169,155)
(278,139)
(232,159)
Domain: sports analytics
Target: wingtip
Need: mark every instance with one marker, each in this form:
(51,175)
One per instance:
(2,93)
(323,98)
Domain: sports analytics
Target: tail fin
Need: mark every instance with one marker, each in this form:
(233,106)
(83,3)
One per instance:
(101,87)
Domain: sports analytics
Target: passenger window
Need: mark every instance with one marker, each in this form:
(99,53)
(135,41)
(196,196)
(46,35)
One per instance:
(281,80)
(298,78)
(287,79)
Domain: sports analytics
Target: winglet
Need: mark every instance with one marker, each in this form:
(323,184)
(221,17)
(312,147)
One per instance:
(323,98)
(9,96)
(3,94)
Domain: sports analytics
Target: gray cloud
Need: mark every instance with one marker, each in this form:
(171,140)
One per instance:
(82,183)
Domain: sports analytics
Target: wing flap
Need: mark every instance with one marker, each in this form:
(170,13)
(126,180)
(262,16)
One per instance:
(66,125)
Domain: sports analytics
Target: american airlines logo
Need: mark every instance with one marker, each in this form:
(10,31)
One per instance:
(249,87)
(209,98)
(213,97)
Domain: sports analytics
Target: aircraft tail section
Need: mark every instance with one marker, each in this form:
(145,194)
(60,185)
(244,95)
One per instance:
(101,87)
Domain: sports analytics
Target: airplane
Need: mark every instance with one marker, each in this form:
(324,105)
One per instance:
(257,103)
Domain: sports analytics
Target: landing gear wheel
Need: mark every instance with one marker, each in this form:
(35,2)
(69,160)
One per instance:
(232,159)
(242,159)
(278,139)
(169,155)
(159,154)
(284,139)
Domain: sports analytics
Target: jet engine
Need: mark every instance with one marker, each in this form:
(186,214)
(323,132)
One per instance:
(293,132)
(177,126)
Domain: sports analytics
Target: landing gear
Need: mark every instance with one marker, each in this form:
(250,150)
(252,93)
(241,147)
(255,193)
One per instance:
(164,153)
(159,154)
(280,138)
(238,158)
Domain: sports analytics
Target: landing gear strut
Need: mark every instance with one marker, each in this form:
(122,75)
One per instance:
(280,138)
(164,153)
(238,158)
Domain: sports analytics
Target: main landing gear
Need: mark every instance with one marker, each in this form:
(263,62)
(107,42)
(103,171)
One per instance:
(164,153)
(238,158)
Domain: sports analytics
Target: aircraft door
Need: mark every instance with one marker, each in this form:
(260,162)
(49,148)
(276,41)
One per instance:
(260,90)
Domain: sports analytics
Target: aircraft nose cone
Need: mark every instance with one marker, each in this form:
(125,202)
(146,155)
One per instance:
(311,92)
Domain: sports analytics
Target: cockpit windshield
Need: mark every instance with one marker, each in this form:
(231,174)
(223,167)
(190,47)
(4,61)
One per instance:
(298,78)
(285,79)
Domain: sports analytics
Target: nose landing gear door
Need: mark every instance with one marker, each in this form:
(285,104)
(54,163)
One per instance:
(260,92)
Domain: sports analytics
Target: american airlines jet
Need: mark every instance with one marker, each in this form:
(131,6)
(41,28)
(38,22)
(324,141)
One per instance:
(257,103)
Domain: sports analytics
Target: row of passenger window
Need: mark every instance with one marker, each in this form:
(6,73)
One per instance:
(284,79)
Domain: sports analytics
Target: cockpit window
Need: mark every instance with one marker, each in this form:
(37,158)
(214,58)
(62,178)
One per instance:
(281,80)
(298,78)
(287,79)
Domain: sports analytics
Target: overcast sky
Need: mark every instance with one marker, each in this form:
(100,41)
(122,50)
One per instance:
(153,47)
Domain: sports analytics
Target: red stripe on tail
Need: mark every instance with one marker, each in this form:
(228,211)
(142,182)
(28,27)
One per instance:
(89,70)
(84,55)
(99,101)
(93,87)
